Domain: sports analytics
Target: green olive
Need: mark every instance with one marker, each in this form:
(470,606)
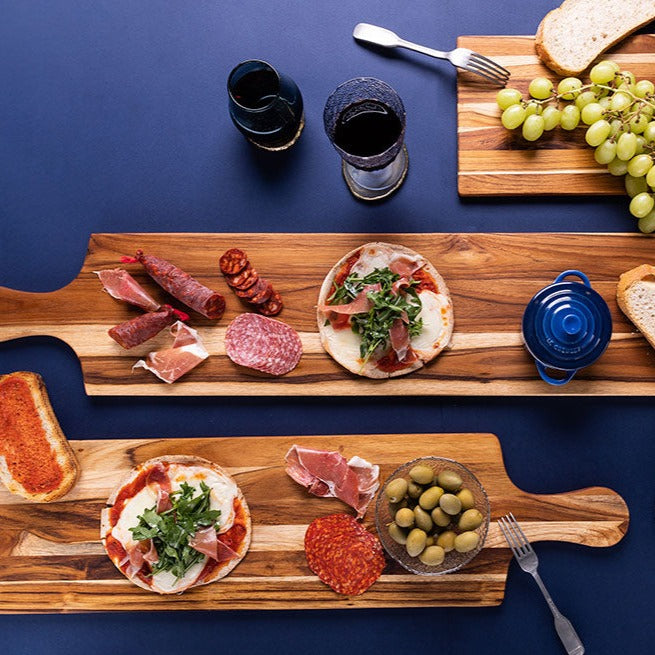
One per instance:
(394,507)
(429,499)
(397,534)
(449,480)
(466,496)
(414,490)
(432,555)
(466,542)
(416,542)
(404,517)
(450,504)
(422,519)
(396,490)
(447,540)
(470,520)
(440,517)
(422,474)
(429,542)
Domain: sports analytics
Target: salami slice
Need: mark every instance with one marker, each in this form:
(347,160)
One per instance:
(343,554)
(181,285)
(243,280)
(233,261)
(141,328)
(273,306)
(263,344)
(262,296)
(260,287)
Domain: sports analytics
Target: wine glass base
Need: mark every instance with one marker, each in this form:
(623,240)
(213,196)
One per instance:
(287,145)
(367,187)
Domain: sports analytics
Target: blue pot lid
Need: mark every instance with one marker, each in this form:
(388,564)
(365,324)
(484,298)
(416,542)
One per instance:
(567,325)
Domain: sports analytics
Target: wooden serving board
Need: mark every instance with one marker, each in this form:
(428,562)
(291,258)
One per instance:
(491,277)
(51,559)
(496,162)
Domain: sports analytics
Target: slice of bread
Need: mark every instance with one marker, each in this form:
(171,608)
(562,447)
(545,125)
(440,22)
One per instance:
(635,294)
(36,460)
(570,37)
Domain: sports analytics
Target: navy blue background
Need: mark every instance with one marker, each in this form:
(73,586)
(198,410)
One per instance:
(113,118)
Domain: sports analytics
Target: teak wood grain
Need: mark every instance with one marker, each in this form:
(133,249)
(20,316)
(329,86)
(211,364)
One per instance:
(491,277)
(51,559)
(493,161)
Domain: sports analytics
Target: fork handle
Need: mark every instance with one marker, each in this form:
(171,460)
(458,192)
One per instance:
(566,632)
(431,52)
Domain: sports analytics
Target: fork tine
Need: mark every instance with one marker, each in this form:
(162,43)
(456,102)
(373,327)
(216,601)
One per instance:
(481,64)
(490,63)
(512,536)
(509,537)
(490,76)
(517,537)
(526,542)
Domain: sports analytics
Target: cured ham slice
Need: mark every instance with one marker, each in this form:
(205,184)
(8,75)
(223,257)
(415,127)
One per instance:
(406,265)
(121,285)
(359,305)
(172,363)
(207,542)
(328,474)
(399,337)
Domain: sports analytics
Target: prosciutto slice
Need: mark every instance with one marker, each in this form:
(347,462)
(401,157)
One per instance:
(406,266)
(158,478)
(328,474)
(206,541)
(359,305)
(399,337)
(121,285)
(172,363)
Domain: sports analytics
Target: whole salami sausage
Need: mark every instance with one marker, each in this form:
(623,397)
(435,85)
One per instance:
(141,328)
(181,285)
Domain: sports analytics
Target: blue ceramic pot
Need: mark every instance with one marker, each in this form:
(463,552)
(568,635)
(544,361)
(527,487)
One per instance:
(566,326)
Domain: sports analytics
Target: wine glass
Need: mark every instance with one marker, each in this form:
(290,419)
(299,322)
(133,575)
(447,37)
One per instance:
(266,106)
(364,119)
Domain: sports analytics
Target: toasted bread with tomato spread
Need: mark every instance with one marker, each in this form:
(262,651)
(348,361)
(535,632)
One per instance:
(36,460)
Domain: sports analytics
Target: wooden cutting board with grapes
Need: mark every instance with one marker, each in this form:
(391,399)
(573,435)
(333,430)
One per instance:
(594,135)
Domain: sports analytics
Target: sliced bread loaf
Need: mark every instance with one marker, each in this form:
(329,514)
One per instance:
(635,294)
(570,37)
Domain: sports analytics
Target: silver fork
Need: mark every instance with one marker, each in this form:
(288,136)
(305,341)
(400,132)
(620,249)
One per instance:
(529,561)
(460,57)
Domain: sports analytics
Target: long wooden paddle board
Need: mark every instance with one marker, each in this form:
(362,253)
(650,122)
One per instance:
(493,161)
(491,277)
(51,558)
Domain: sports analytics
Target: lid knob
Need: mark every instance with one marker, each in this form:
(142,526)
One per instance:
(571,324)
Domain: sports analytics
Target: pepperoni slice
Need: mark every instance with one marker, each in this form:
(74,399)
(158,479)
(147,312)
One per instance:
(243,280)
(263,296)
(233,261)
(343,554)
(259,287)
(273,306)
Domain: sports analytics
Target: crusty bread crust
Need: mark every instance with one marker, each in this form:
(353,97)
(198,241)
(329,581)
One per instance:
(61,452)
(615,33)
(188,460)
(369,369)
(628,279)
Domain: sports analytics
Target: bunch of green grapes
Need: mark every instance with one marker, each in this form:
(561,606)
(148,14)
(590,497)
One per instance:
(618,113)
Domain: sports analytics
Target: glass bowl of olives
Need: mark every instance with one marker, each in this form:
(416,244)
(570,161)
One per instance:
(432,515)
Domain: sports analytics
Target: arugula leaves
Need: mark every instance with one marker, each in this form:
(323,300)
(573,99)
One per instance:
(171,530)
(373,326)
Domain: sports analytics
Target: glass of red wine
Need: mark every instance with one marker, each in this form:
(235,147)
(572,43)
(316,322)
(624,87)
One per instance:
(364,119)
(266,106)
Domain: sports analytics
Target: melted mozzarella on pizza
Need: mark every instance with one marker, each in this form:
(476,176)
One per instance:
(435,322)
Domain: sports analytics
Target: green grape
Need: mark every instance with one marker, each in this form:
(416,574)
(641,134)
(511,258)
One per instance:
(617,167)
(605,102)
(616,125)
(635,185)
(513,116)
(551,116)
(616,67)
(626,77)
(591,113)
(647,223)
(568,88)
(602,73)
(626,146)
(650,178)
(641,143)
(533,127)
(584,99)
(508,97)
(533,108)
(639,165)
(620,101)
(644,88)
(605,152)
(600,91)
(638,124)
(649,132)
(626,87)
(597,133)
(570,117)
(540,88)
(642,204)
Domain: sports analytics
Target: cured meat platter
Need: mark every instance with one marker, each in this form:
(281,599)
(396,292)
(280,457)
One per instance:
(493,161)
(491,278)
(51,558)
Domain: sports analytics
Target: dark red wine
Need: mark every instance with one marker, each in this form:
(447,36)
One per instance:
(256,89)
(367,128)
